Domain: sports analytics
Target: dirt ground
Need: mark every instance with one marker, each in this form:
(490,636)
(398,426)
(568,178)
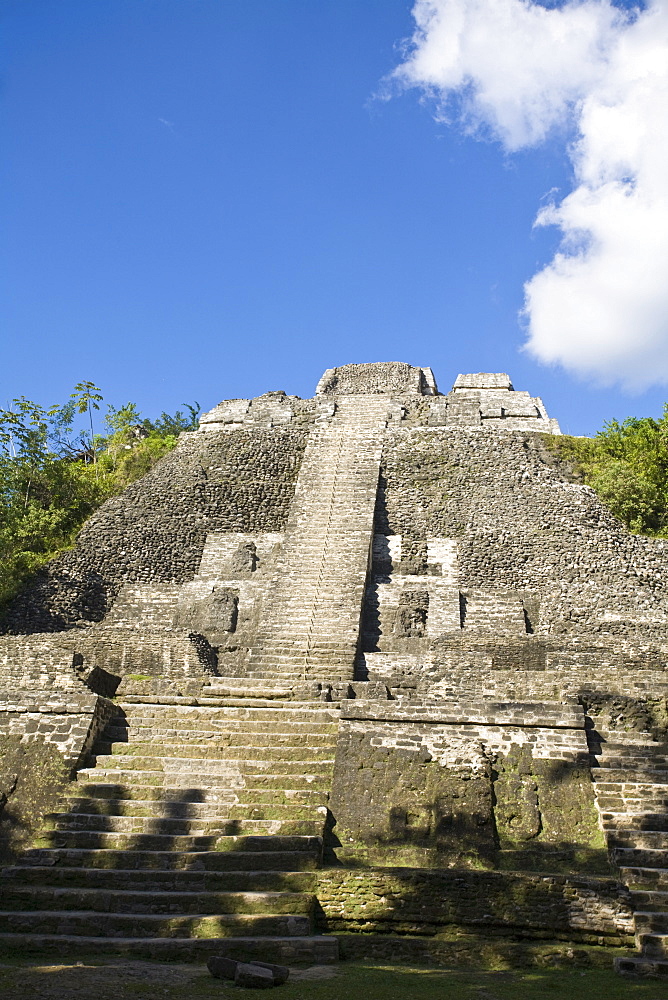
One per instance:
(134,980)
(119,980)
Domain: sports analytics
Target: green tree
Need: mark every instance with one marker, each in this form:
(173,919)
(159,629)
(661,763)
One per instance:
(627,464)
(53,476)
(44,498)
(87,397)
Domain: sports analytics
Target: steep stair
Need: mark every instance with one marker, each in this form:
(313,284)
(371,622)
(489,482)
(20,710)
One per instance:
(193,833)
(310,625)
(630,772)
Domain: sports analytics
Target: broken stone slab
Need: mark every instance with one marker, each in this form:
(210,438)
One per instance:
(227,968)
(222,968)
(253,976)
(279,972)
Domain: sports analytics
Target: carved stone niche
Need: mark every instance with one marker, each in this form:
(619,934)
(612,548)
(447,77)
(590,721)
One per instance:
(217,612)
(411,618)
(244,560)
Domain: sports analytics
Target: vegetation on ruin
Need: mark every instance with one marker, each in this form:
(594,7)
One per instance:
(626,463)
(53,475)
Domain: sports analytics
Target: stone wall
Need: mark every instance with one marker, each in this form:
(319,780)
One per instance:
(452,785)
(428,903)
(43,738)
(521,526)
(220,480)
(386,377)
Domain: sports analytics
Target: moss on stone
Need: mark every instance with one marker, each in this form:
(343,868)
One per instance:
(32,778)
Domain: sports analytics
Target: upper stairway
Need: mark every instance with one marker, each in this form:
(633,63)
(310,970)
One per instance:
(310,624)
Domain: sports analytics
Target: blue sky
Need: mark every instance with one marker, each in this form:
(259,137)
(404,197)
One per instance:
(205,199)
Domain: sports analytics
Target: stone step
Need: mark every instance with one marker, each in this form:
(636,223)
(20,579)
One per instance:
(168,796)
(173,738)
(249,785)
(173,779)
(240,860)
(631,760)
(289,666)
(209,702)
(263,750)
(650,899)
(178,810)
(309,950)
(318,743)
(230,776)
(314,598)
(634,821)
(90,840)
(220,811)
(230,711)
(643,747)
(235,763)
(637,742)
(639,839)
(651,922)
(252,710)
(151,736)
(318,703)
(637,965)
(154,880)
(252,707)
(633,857)
(138,925)
(640,776)
(609,802)
(236,680)
(326,671)
(286,643)
(218,690)
(653,945)
(251,820)
(117,901)
(102,839)
(645,878)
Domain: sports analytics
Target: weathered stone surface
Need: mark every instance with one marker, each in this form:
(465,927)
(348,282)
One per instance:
(228,968)
(280,973)
(383,627)
(253,976)
(222,968)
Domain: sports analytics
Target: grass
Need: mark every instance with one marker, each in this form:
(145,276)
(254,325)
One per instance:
(134,980)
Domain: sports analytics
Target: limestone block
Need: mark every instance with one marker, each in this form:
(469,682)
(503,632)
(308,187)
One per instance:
(442,552)
(482,380)
(230,411)
(377,377)
(221,967)
(253,976)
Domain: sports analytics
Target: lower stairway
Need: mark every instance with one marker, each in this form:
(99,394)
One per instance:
(193,833)
(630,772)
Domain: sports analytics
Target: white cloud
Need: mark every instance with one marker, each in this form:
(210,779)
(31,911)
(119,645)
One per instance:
(516,69)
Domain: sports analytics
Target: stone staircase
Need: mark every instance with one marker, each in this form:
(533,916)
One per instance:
(193,833)
(310,627)
(631,784)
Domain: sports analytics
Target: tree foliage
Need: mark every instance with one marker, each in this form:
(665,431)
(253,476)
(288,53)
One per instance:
(627,464)
(53,477)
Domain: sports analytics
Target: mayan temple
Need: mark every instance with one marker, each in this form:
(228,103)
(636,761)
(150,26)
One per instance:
(370,674)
